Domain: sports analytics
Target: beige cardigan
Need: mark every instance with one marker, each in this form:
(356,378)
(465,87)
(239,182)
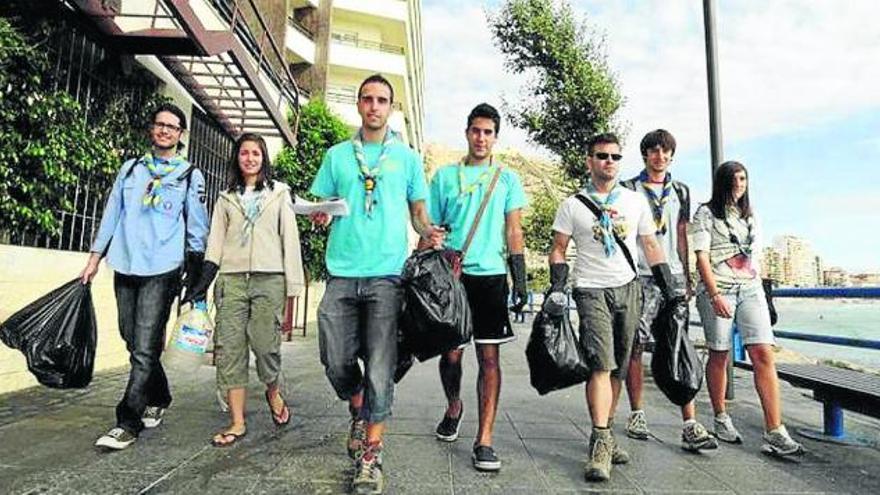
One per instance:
(273,245)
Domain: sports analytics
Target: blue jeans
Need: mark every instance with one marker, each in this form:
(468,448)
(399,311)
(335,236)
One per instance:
(357,318)
(143,305)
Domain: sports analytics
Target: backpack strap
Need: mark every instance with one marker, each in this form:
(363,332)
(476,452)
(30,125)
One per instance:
(598,213)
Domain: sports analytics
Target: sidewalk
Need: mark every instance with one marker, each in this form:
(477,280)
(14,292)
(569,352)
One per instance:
(46,439)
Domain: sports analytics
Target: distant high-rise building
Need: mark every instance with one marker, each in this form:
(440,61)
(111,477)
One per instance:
(798,261)
(771,265)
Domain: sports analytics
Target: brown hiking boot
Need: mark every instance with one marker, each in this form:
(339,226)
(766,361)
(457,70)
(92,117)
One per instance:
(598,465)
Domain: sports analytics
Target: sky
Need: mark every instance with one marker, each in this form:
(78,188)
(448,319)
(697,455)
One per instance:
(800,104)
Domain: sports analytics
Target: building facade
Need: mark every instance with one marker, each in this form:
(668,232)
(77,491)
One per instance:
(799,262)
(333,45)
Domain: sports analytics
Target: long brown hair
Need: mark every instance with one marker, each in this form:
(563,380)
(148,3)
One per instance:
(236,179)
(722,190)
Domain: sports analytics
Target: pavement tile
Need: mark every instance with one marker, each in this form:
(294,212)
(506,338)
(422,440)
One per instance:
(33,481)
(561,467)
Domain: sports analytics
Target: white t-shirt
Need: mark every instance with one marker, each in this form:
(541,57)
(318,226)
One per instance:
(592,268)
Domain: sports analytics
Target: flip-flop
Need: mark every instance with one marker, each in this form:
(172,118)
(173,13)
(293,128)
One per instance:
(225,436)
(283,417)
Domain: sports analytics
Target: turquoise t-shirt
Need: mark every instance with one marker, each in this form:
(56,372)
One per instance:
(374,246)
(487,252)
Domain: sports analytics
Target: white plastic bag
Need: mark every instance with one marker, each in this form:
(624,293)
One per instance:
(190,339)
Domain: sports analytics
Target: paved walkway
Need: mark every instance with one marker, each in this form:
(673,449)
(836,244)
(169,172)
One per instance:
(46,439)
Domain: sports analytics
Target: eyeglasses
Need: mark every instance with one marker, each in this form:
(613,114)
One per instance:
(162,126)
(601,155)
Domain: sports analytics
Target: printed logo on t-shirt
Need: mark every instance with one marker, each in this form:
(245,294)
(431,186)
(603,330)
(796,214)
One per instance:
(618,221)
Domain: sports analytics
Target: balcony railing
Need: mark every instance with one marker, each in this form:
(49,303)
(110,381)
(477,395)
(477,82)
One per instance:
(295,24)
(351,40)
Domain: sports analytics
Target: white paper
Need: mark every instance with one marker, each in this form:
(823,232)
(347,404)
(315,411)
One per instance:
(333,207)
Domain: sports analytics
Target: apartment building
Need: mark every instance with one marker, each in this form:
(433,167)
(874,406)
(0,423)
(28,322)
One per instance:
(333,45)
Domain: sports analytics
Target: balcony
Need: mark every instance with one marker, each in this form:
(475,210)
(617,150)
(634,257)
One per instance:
(348,50)
(300,41)
(387,9)
(343,101)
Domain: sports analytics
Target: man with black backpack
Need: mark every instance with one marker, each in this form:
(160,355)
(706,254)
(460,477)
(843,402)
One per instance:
(604,219)
(154,223)
(670,207)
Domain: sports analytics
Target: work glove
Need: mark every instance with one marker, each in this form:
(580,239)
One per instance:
(192,269)
(666,283)
(198,291)
(558,277)
(517,264)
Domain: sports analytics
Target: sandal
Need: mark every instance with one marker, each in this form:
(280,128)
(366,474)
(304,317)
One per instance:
(280,418)
(228,438)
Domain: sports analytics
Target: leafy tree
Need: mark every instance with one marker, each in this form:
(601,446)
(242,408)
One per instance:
(573,94)
(538,222)
(47,145)
(319,129)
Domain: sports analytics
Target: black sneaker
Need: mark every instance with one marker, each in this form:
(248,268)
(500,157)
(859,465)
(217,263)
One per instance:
(447,430)
(485,459)
(116,439)
(153,416)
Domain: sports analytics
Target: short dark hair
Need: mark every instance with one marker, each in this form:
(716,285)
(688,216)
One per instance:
(376,78)
(172,109)
(236,180)
(658,137)
(603,138)
(485,111)
(722,190)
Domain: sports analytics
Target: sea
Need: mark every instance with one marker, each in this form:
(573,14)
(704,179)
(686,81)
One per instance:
(858,318)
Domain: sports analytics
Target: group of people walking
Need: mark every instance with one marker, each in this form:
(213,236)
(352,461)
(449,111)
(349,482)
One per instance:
(155,227)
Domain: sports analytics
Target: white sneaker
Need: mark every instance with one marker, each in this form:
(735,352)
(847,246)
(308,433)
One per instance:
(116,439)
(779,443)
(152,416)
(637,426)
(724,429)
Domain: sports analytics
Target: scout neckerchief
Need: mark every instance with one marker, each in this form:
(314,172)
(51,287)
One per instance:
(466,190)
(657,202)
(740,263)
(252,204)
(153,195)
(370,176)
(606,225)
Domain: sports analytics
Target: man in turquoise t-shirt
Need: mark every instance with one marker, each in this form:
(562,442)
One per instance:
(457,190)
(383,182)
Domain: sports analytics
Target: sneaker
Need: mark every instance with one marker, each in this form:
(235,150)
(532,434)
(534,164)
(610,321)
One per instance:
(116,439)
(357,437)
(152,416)
(725,431)
(695,437)
(484,458)
(598,465)
(368,476)
(618,455)
(637,426)
(447,430)
(779,443)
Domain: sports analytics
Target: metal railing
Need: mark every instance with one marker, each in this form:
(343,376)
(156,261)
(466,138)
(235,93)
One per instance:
(348,95)
(352,40)
(295,24)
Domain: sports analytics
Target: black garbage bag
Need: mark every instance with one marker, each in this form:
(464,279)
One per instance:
(768,294)
(675,364)
(555,358)
(405,358)
(57,334)
(436,317)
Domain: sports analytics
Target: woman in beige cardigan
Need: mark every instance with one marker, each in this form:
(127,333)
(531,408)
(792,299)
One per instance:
(254,244)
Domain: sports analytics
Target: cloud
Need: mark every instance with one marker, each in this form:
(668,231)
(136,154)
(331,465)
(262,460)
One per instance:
(785,66)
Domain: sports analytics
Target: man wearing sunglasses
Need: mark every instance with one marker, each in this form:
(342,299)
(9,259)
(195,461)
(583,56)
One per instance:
(155,220)
(604,219)
(670,206)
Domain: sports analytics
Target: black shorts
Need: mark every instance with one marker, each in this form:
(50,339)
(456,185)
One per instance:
(487,297)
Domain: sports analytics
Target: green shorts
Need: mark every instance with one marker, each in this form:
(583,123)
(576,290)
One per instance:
(609,319)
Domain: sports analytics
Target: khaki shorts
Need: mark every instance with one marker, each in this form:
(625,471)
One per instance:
(608,322)
(250,310)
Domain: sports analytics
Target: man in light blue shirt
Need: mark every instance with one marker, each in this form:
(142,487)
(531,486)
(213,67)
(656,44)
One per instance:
(383,182)
(457,191)
(155,212)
